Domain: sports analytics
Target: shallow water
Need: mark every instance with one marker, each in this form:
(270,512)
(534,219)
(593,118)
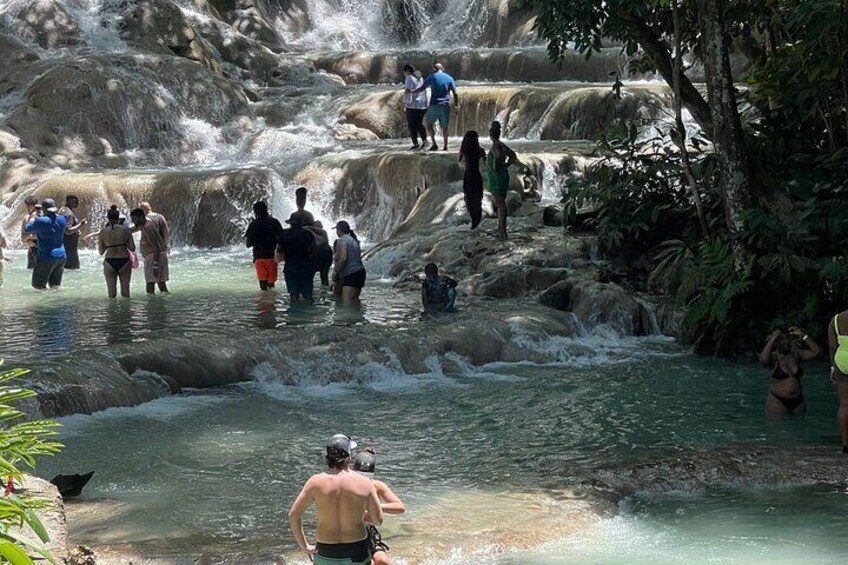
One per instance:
(480,456)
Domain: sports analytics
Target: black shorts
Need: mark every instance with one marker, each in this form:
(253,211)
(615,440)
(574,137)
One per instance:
(356,280)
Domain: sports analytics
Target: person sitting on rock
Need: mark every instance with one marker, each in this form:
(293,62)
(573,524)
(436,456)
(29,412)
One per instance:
(438,293)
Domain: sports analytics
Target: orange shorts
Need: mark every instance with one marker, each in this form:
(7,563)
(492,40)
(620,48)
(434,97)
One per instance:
(266,270)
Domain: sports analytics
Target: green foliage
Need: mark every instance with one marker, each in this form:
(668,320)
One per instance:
(20,444)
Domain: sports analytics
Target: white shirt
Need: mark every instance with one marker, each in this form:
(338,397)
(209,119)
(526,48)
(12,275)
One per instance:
(416,100)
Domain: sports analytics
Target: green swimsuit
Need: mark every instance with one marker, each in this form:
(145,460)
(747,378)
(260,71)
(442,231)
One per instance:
(497,176)
(840,358)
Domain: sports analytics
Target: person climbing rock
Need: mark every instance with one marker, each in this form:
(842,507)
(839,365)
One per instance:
(262,235)
(342,498)
(441,86)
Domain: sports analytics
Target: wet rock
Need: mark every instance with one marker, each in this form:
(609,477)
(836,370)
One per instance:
(9,141)
(204,208)
(543,278)
(349,132)
(505,283)
(88,110)
(52,514)
(553,217)
(44,22)
(597,303)
(513,202)
(160,26)
(81,555)
(558,296)
(17,67)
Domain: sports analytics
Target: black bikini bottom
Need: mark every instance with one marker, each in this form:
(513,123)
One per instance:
(789,403)
(117,263)
(357,551)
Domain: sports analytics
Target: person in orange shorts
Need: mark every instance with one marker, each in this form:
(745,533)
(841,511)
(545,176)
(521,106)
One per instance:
(262,235)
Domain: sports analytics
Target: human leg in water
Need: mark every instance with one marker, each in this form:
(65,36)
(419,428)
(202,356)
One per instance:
(163,287)
(263,285)
(451,300)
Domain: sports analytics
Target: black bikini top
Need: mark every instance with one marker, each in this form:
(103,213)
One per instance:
(779,374)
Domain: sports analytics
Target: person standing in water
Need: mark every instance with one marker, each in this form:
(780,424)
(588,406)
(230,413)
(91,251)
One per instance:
(161,224)
(342,498)
(349,269)
(262,235)
(470,153)
(322,259)
(442,87)
(115,241)
(50,230)
(783,362)
(414,105)
(306,217)
(72,232)
(500,158)
(365,463)
(153,249)
(295,249)
(837,339)
(33,210)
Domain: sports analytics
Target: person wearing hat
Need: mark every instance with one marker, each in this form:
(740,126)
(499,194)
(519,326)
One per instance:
(50,231)
(295,248)
(365,463)
(343,498)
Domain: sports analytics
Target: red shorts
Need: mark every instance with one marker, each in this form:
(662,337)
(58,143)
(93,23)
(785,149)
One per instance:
(266,270)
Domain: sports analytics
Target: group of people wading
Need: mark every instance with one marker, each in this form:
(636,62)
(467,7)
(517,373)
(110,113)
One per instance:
(51,236)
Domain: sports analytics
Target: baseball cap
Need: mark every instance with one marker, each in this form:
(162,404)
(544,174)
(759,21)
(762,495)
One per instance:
(49,205)
(365,463)
(340,444)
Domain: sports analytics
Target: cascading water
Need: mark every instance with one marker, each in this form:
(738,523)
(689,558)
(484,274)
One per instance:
(203,108)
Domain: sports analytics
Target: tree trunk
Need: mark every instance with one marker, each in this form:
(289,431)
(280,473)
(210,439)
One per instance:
(727,136)
(660,55)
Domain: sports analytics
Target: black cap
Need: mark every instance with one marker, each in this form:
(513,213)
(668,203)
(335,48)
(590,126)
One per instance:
(340,445)
(365,463)
(49,205)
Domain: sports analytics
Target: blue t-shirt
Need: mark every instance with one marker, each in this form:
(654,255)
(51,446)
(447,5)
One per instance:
(51,236)
(440,84)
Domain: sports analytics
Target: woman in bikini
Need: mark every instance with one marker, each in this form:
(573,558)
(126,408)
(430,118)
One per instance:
(783,362)
(837,338)
(115,240)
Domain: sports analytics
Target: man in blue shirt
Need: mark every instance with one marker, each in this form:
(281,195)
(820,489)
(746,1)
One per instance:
(442,87)
(50,230)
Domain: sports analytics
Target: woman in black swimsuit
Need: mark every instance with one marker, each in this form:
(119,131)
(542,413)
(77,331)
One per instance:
(471,154)
(116,241)
(783,362)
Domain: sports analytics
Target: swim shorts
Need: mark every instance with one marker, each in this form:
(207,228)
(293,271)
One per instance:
(356,553)
(266,270)
(439,113)
(355,280)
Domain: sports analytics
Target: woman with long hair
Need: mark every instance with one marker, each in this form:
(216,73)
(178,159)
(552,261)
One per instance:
(115,242)
(349,269)
(470,153)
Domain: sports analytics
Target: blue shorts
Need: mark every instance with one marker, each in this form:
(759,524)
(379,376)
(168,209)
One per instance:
(299,281)
(439,113)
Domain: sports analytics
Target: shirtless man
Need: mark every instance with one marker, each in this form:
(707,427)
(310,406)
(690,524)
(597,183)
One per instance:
(343,499)
(365,464)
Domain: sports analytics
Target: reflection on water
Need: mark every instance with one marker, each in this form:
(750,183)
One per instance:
(213,294)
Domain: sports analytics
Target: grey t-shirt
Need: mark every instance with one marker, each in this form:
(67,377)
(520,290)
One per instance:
(353,263)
